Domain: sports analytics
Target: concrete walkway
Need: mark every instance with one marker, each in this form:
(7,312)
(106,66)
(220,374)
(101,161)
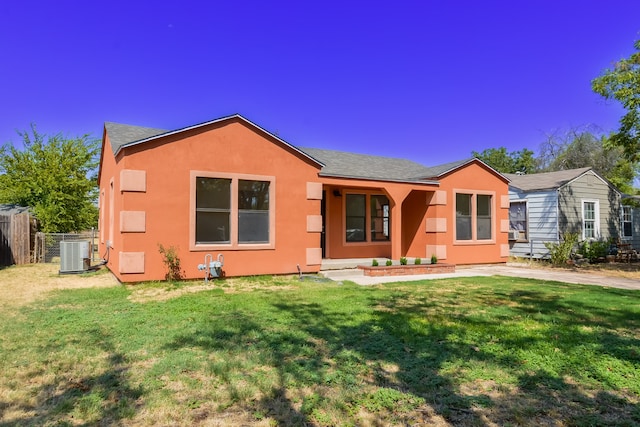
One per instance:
(514,270)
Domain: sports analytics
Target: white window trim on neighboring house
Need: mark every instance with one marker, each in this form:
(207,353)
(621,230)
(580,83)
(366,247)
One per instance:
(518,234)
(623,221)
(596,219)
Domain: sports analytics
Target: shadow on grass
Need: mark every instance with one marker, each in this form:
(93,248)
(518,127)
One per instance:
(104,399)
(329,361)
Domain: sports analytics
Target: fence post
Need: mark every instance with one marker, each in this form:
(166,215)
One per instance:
(530,250)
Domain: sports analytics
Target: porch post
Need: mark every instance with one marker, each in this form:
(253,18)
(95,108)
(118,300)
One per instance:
(396,197)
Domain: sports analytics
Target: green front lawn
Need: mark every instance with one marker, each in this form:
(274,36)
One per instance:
(263,351)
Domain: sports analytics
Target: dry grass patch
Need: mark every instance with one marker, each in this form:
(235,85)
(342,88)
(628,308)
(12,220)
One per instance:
(629,270)
(24,284)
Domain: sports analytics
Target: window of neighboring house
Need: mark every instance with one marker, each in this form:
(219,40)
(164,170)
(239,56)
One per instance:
(231,210)
(518,220)
(356,217)
(474,218)
(379,218)
(590,219)
(627,224)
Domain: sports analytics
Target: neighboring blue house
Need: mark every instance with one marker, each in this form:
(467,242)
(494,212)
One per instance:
(545,206)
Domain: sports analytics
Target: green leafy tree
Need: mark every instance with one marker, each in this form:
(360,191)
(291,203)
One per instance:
(622,83)
(55,176)
(505,162)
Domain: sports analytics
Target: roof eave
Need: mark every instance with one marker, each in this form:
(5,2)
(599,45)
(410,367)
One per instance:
(362,178)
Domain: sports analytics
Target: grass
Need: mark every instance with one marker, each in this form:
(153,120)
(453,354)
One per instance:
(277,351)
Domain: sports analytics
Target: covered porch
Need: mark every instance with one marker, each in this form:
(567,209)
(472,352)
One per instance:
(363,220)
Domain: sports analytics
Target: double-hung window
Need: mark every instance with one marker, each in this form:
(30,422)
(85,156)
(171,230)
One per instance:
(379,218)
(356,217)
(627,224)
(590,219)
(518,220)
(253,211)
(232,210)
(474,217)
(213,210)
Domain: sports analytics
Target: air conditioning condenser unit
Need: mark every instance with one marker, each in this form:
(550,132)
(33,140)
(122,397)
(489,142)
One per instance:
(74,256)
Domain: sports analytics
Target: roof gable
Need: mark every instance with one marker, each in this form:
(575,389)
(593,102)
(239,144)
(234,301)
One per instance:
(446,168)
(546,180)
(127,136)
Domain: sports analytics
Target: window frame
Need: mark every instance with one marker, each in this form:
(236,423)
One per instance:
(234,243)
(369,219)
(624,221)
(596,219)
(384,219)
(474,217)
(361,216)
(526,221)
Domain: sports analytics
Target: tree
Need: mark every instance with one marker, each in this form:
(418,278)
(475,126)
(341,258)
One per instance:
(579,148)
(502,161)
(622,83)
(55,176)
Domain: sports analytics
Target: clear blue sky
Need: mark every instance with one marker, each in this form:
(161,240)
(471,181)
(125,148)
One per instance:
(425,80)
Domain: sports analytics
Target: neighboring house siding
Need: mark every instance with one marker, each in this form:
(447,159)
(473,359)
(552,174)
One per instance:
(589,187)
(542,220)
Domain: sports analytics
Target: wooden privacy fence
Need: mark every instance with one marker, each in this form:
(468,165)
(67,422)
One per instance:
(15,239)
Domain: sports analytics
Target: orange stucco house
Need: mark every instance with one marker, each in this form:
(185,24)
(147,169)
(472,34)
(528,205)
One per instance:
(229,187)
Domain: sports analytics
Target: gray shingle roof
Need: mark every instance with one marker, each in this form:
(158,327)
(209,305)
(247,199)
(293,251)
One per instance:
(120,134)
(12,209)
(437,171)
(334,163)
(351,165)
(545,180)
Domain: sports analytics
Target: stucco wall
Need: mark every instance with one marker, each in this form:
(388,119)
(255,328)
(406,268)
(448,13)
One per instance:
(474,178)
(230,148)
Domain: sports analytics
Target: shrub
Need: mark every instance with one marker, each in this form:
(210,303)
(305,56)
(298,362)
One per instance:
(592,250)
(434,259)
(417,261)
(374,263)
(389,262)
(171,260)
(561,252)
(403,261)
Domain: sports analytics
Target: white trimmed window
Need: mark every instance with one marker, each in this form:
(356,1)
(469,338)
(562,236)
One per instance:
(590,219)
(518,221)
(627,222)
